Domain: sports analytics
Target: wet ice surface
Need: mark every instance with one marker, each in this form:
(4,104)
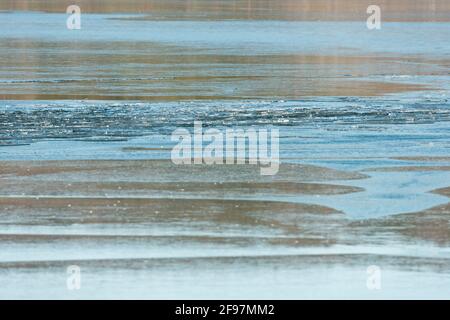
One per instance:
(237,36)
(388,193)
(176,258)
(357,118)
(165,279)
(113,59)
(343,133)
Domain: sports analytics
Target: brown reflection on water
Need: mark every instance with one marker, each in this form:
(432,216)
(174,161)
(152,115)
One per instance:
(93,214)
(147,71)
(203,199)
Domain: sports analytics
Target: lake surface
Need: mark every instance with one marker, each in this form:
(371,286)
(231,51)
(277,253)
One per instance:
(86,119)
